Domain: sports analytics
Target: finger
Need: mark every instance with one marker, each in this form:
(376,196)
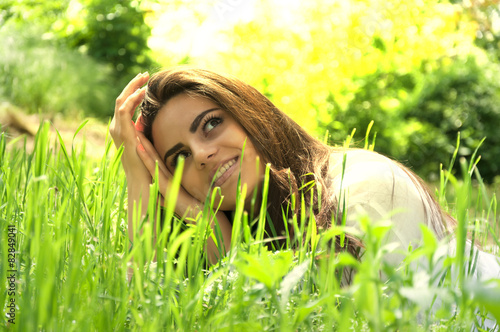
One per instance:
(150,163)
(150,149)
(139,126)
(129,106)
(132,86)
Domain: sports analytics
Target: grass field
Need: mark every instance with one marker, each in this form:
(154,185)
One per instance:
(64,256)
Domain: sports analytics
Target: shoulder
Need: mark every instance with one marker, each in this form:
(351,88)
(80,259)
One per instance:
(367,170)
(367,183)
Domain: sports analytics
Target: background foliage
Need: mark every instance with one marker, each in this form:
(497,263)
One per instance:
(423,71)
(71,56)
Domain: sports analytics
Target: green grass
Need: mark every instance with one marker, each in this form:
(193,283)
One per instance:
(72,256)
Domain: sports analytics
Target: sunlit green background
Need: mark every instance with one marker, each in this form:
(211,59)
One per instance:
(422,70)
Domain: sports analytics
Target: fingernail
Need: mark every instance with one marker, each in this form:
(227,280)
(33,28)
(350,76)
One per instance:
(141,147)
(145,73)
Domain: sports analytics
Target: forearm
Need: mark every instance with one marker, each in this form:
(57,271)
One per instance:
(138,184)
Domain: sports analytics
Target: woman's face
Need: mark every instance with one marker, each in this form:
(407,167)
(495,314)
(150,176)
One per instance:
(211,142)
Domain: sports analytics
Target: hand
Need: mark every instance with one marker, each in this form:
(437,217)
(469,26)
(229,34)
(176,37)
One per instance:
(122,128)
(150,157)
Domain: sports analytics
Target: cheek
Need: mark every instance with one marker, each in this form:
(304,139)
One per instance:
(250,157)
(193,185)
(252,173)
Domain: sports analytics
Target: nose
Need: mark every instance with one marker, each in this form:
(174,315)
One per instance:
(203,154)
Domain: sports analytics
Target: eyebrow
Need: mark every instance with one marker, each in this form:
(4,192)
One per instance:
(173,150)
(194,126)
(196,122)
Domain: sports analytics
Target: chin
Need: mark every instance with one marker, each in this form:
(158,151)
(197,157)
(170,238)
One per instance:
(227,205)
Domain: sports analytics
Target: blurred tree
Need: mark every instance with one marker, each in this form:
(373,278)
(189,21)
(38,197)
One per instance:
(486,14)
(314,49)
(112,32)
(459,95)
(32,12)
(418,114)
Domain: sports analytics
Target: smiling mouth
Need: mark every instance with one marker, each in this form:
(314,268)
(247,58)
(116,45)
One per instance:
(224,172)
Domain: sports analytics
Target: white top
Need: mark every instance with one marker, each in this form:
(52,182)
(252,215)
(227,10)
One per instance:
(371,185)
(379,188)
(375,186)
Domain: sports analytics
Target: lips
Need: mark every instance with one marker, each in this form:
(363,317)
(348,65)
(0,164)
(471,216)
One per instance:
(224,171)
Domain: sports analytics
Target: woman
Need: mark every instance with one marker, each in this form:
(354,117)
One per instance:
(206,118)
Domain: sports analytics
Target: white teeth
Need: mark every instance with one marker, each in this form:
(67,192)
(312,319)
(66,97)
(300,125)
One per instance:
(223,169)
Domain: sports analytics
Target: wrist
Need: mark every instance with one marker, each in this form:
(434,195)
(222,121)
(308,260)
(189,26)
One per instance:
(133,166)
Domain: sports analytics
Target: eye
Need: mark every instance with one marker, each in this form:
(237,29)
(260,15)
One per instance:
(211,122)
(180,154)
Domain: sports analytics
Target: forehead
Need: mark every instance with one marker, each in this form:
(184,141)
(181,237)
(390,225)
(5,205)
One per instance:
(180,107)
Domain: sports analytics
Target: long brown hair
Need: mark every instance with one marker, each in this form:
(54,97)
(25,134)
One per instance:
(295,157)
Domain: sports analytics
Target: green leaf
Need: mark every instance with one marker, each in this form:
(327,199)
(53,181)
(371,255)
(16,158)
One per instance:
(486,295)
